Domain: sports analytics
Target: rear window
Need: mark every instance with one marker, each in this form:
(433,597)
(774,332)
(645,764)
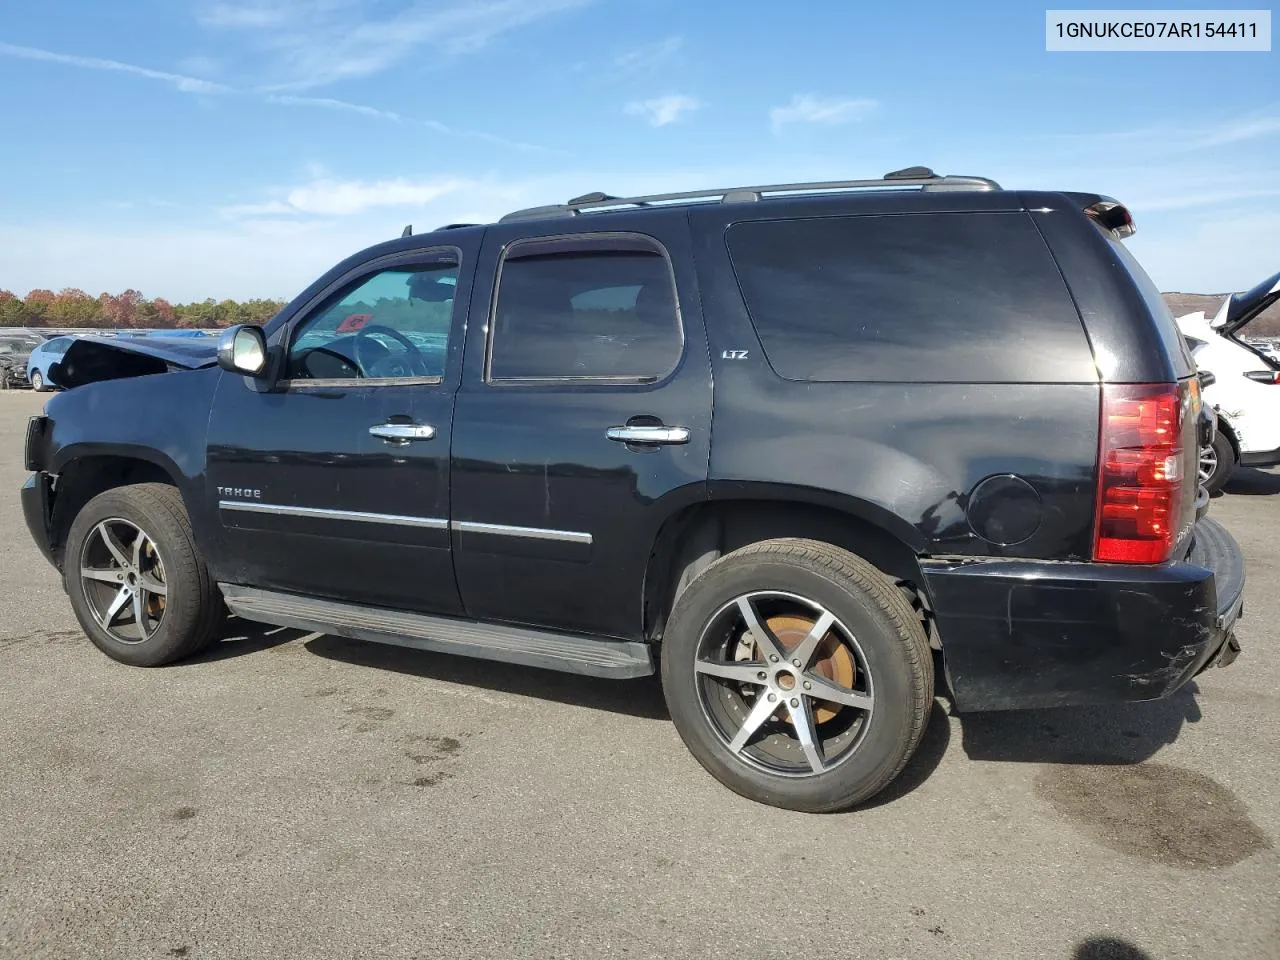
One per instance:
(965,298)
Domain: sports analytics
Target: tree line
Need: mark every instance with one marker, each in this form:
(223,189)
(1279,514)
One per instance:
(75,308)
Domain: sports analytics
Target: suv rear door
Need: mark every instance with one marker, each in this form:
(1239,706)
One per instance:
(583,419)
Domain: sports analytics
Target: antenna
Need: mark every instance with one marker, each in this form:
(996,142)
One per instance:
(408,231)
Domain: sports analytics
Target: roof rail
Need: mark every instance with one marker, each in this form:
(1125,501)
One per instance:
(921,177)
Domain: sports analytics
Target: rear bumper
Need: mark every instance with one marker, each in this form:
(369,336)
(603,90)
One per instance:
(1023,633)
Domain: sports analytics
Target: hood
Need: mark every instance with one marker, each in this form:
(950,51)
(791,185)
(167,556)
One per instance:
(1241,308)
(90,359)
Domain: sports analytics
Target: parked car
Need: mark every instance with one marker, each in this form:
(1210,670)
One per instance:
(15,351)
(704,435)
(40,360)
(1246,388)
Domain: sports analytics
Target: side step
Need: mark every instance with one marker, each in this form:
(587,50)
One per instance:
(566,652)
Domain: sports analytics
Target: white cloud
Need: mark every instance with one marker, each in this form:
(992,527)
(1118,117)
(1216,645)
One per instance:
(329,103)
(187,84)
(246,15)
(1238,130)
(648,56)
(265,209)
(811,108)
(183,83)
(661,111)
(317,42)
(343,198)
(1183,137)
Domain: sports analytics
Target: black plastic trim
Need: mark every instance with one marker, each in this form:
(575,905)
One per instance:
(1018,633)
(567,653)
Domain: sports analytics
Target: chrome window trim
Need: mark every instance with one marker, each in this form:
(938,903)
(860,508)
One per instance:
(430,523)
(492,318)
(533,533)
(355,383)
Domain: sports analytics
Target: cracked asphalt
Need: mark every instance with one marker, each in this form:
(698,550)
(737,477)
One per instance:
(296,795)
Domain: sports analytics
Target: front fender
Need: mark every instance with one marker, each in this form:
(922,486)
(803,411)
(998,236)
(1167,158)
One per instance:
(160,419)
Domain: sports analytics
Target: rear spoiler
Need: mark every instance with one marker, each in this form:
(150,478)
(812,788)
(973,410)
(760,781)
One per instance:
(1240,308)
(1107,212)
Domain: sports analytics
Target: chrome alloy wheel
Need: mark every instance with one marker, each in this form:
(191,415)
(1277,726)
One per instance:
(123,580)
(1208,462)
(784,684)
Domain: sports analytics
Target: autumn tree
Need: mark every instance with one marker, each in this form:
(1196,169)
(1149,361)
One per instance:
(73,308)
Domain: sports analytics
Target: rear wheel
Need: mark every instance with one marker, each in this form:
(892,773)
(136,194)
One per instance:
(136,583)
(1217,462)
(797,675)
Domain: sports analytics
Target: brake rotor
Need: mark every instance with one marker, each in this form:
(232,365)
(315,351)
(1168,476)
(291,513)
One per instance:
(832,659)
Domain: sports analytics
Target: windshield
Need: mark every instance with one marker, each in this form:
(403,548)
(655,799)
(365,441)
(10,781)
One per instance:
(8,347)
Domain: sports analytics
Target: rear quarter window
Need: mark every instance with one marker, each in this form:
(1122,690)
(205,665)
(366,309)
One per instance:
(946,297)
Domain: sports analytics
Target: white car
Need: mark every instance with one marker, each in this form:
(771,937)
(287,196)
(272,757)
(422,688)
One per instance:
(1246,387)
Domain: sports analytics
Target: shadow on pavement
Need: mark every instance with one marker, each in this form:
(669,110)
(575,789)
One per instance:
(1253,483)
(933,747)
(1109,948)
(638,698)
(1121,733)
(242,637)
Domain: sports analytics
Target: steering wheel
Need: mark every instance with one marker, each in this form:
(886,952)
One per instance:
(413,359)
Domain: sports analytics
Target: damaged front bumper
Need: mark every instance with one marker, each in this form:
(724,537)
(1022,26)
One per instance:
(1022,633)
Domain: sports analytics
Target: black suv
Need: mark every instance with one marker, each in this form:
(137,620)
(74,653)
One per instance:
(798,447)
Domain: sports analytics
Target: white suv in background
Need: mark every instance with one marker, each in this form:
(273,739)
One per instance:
(1246,386)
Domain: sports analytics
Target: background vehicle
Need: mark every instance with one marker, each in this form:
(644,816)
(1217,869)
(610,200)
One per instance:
(42,357)
(701,434)
(15,350)
(1246,388)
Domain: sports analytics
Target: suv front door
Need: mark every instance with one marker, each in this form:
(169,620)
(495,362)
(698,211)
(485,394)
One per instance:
(582,422)
(334,480)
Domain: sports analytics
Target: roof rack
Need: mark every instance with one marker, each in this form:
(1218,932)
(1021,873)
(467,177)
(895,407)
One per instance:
(921,177)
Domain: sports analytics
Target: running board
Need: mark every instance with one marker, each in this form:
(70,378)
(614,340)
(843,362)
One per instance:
(565,652)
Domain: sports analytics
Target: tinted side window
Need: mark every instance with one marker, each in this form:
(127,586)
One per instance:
(594,307)
(391,324)
(947,297)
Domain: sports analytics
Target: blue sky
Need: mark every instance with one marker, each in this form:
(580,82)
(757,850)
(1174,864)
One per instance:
(194,148)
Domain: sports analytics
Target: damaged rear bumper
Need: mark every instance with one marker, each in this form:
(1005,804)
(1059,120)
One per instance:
(1022,633)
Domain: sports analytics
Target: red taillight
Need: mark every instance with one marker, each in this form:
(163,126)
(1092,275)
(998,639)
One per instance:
(1140,477)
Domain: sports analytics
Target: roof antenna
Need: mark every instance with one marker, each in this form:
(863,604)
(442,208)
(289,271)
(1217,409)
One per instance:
(408,231)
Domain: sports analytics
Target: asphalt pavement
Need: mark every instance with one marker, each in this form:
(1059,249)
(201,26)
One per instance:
(296,795)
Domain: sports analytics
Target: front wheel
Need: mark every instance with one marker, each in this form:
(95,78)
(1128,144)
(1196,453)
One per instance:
(797,675)
(137,585)
(37,381)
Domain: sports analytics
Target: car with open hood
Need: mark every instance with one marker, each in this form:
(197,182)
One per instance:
(1246,387)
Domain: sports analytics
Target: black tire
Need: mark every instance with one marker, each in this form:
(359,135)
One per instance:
(1225,463)
(192,612)
(890,639)
(37,382)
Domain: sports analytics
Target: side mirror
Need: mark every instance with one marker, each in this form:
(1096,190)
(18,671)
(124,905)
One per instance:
(1207,379)
(243,349)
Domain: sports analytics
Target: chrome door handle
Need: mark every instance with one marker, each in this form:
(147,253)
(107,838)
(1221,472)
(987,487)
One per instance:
(648,434)
(403,432)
